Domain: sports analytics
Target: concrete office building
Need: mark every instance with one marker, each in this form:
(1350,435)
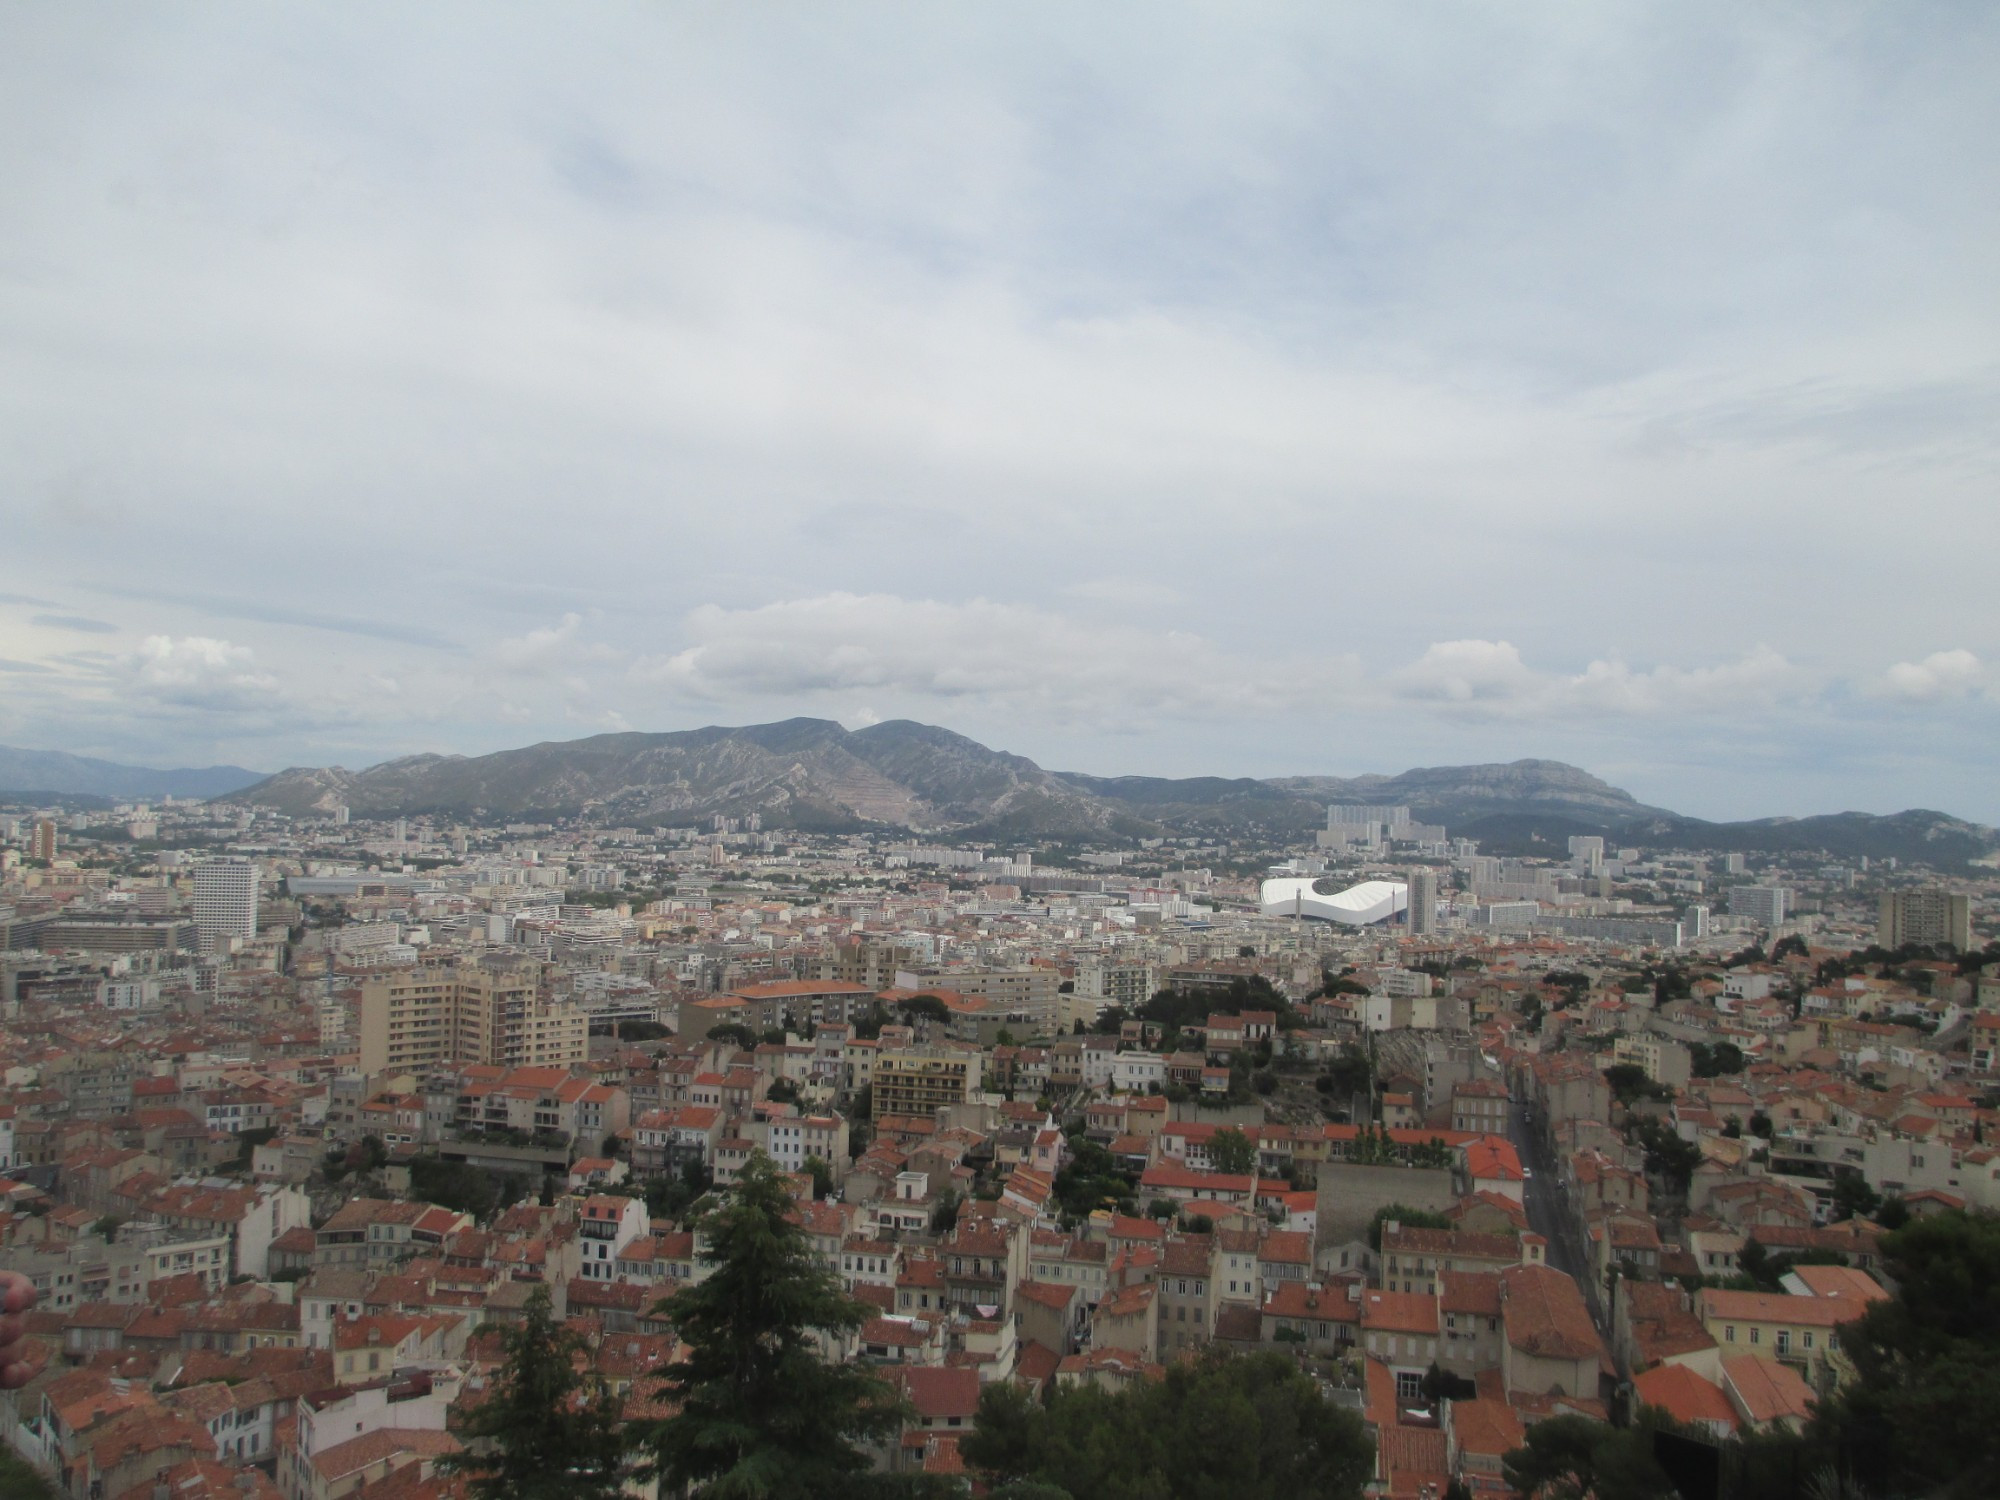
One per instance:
(225,903)
(1932,918)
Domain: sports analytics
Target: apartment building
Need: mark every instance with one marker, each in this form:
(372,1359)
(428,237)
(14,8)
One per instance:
(480,1011)
(920,1080)
(1933,918)
(1024,995)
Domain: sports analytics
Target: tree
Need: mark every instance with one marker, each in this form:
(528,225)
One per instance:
(547,1430)
(1439,1384)
(1629,1084)
(1349,1074)
(926,1007)
(1852,1195)
(1570,1458)
(1221,1427)
(1667,1155)
(1712,1060)
(761,1413)
(671,1197)
(822,1176)
(945,1213)
(1091,1180)
(1922,1415)
(1230,1150)
(733,1031)
(1432,1153)
(782,1091)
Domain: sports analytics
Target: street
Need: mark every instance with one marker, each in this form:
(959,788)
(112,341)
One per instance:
(1547,1214)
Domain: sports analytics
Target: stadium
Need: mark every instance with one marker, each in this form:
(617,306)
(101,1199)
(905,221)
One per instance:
(1326,900)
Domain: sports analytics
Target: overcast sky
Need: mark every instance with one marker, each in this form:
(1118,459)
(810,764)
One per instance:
(1218,389)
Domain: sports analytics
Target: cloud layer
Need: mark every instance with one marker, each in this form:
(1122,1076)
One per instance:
(1292,389)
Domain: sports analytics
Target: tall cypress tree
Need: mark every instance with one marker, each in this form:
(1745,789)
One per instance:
(547,1430)
(762,1415)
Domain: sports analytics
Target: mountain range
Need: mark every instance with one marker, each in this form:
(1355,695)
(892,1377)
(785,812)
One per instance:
(54,773)
(815,775)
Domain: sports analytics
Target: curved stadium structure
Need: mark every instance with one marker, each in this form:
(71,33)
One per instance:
(1326,900)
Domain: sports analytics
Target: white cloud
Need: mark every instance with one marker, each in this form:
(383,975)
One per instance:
(199,672)
(550,648)
(926,649)
(1491,678)
(1941,675)
(1470,672)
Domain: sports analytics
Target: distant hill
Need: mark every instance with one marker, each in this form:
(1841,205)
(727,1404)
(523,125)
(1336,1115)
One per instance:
(53,772)
(811,774)
(802,773)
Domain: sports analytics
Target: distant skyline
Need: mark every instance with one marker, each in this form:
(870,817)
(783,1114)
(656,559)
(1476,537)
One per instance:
(1167,390)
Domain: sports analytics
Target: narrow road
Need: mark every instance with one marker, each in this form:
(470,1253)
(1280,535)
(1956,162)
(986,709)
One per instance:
(1548,1214)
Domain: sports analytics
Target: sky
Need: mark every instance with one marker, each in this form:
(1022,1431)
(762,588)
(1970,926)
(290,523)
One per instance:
(1230,389)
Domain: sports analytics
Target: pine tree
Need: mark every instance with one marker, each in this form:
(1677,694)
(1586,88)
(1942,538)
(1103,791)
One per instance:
(547,1430)
(762,1415)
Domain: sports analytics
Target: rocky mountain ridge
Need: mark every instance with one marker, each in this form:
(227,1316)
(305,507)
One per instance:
(815,775)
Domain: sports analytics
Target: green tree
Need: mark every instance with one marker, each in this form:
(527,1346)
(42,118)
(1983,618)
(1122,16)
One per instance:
(944,1213)
(1667,1155)
(1091,1180)
(762,1415)
(1922,1415)
(1432,1153)
(1244,1427)
(1853,1196)
(1230,1150)
(1712,1060)
(922,1007)
(1571,1458)
(1629,1084)
(822,1176)
(547,1429)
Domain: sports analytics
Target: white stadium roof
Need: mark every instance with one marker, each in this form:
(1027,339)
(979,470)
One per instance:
(1356,906)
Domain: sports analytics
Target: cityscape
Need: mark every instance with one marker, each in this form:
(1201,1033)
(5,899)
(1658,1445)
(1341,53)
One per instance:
(302,1106)
(883,752)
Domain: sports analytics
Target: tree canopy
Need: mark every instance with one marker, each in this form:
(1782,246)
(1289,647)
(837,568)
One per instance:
(1712,1060)
(1230,1150)
(547,1429)
(1922,1415)
(1241,1427)
(762,1415)
(1576,1458)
